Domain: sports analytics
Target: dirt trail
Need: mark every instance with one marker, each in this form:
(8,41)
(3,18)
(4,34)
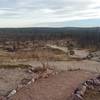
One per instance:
(78,53)
(58,87)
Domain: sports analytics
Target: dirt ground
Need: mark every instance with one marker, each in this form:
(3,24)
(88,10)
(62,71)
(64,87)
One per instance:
(58,87)
(10,78)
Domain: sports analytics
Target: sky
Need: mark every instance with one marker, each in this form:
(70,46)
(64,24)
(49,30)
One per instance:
(49,13)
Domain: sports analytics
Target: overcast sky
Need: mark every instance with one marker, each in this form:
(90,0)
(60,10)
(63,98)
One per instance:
(49,13)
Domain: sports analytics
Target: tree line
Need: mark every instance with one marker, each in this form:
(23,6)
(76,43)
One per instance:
(84,36)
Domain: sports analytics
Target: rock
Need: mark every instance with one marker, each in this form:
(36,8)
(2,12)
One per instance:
(93,82)
(85,84)
(11,93)
(33,80)
(29,82)
(77,97)
(81,90)
(96,82)
(25,81)
(90,82)
(29,71)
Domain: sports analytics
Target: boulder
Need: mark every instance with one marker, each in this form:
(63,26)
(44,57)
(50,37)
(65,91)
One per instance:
(11,93)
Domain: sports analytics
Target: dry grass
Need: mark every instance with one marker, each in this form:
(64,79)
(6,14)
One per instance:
(8,66)
(38,53)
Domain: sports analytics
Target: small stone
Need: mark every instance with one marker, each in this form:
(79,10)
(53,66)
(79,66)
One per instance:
(81,90)
(25,81)
(29,71)
(33,80)
(85,84)
(77,97)
(29,82)
(90,82)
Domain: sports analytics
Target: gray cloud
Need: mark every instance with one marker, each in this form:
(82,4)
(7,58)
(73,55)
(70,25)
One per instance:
(35,12)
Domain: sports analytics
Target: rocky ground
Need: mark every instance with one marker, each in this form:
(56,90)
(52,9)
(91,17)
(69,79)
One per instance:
(11,77)
(40,83)
(56,87)
(56,80)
